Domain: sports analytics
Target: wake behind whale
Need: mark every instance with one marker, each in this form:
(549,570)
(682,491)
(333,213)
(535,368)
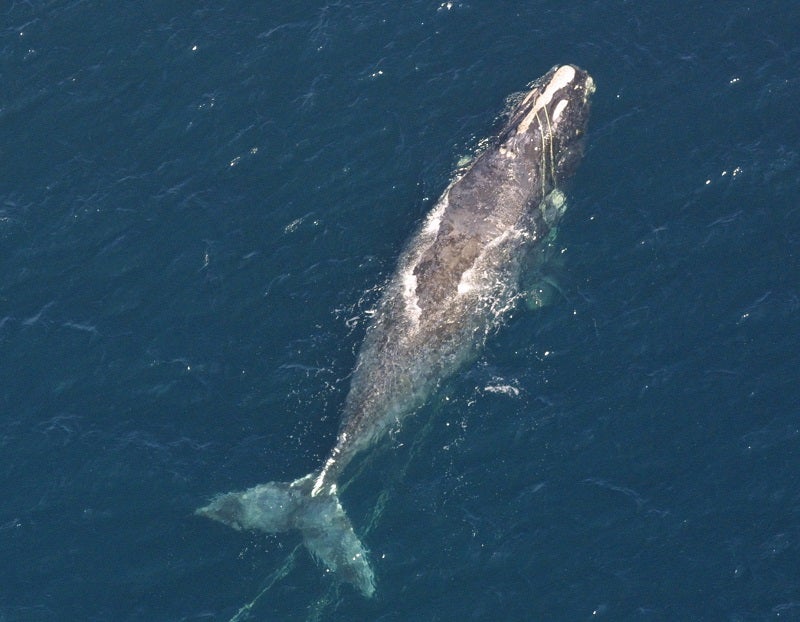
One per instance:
(454,284)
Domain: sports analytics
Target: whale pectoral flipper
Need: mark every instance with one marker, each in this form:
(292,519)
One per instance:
(281,506)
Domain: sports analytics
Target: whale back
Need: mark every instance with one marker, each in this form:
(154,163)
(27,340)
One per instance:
(459,275)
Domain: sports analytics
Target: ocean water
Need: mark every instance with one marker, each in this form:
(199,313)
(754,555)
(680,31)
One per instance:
(200,202)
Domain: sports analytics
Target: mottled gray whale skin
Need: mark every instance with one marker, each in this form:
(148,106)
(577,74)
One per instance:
(454,284)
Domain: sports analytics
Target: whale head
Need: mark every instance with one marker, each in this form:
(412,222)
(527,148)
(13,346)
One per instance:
(545,130)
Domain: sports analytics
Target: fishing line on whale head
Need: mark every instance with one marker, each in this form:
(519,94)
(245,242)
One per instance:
(547,137)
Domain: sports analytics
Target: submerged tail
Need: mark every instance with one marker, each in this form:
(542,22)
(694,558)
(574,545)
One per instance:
(327,532)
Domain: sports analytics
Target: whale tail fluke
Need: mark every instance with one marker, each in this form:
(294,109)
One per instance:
(281,506)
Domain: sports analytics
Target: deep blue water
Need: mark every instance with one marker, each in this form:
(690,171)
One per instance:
(200,203)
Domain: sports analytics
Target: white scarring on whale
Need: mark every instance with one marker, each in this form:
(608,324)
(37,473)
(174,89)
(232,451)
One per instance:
(455,282)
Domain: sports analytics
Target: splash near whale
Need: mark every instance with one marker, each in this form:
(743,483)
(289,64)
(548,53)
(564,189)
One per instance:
(454,284)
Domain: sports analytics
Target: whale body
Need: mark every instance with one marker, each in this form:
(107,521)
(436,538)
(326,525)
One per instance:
(454,284)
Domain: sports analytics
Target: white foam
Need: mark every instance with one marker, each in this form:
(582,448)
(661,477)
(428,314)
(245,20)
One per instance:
(467,282)
(410,294)
(504,389)
(434,218)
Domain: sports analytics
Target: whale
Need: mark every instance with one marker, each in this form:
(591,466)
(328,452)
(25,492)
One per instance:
(455,283)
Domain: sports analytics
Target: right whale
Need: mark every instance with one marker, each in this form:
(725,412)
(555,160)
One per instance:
(454,284)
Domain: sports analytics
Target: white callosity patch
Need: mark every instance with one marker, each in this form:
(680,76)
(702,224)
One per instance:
(559,109)
(562,77)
